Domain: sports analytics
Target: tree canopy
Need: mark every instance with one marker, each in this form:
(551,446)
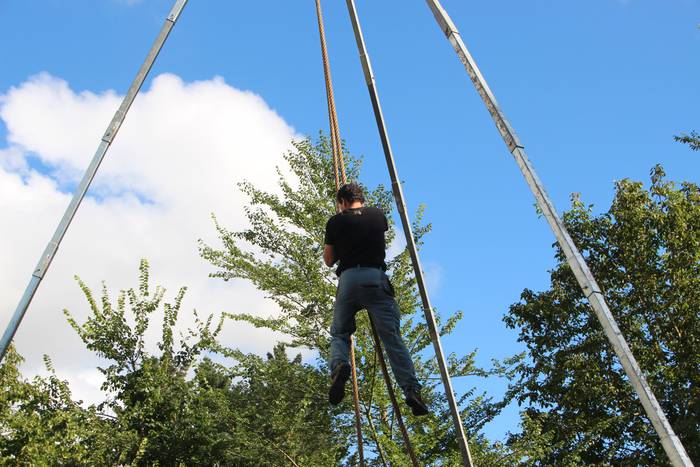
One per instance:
(645,253)
(692,140)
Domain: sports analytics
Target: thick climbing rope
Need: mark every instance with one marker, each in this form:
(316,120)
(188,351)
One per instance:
(392,395)
(341,177)
(338,162)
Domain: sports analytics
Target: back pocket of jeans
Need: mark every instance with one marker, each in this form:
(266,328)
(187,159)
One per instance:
(388,287)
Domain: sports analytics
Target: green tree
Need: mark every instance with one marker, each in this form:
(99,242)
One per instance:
(280,253)
(41,425)
(278,409)
(645,254)
(159,415)
(176,408)
(692,140)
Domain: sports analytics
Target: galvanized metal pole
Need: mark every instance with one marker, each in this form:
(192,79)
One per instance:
(105,142)
(672,445)
(410,242)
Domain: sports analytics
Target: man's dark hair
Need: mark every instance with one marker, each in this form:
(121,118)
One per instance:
(350,192)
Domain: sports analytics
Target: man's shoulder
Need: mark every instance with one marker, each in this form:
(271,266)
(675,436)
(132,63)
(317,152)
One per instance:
(333,219)
(374,211)
(366,211)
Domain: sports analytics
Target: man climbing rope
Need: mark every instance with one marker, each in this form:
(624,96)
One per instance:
(355,239)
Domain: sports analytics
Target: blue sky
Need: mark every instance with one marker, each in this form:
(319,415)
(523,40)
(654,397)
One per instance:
(595,89)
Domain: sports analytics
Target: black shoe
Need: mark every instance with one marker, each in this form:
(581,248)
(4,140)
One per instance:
(340,375)
(415,402)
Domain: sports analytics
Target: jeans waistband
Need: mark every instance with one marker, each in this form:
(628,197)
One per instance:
(358,266)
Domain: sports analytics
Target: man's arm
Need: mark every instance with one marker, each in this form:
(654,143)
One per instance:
(329,255)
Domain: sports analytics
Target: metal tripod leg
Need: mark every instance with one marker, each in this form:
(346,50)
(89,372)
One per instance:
(410,242)
(672,445)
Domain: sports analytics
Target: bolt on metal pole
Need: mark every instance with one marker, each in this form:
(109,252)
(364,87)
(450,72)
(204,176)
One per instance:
(105,142)
(410,242)
(672,445)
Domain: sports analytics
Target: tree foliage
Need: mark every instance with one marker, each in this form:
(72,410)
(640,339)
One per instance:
(281,414)
(645,254)
(692,140)
(186,401)
(41,425)
(158,414)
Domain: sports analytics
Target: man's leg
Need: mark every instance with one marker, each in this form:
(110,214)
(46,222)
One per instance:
(342,328)
(386,316)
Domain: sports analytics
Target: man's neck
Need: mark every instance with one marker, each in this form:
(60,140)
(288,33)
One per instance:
(355,205)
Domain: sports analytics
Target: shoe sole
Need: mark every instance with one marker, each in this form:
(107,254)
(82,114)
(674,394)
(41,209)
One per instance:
(417,408)
(337,390)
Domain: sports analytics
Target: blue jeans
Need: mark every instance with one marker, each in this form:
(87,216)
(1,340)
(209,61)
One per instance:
(369,288)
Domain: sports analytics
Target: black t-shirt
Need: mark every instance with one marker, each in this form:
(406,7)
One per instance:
(357,236)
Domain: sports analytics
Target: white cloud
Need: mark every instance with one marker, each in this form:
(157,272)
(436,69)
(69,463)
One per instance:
(177,158)
(397,245)
(432,272)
